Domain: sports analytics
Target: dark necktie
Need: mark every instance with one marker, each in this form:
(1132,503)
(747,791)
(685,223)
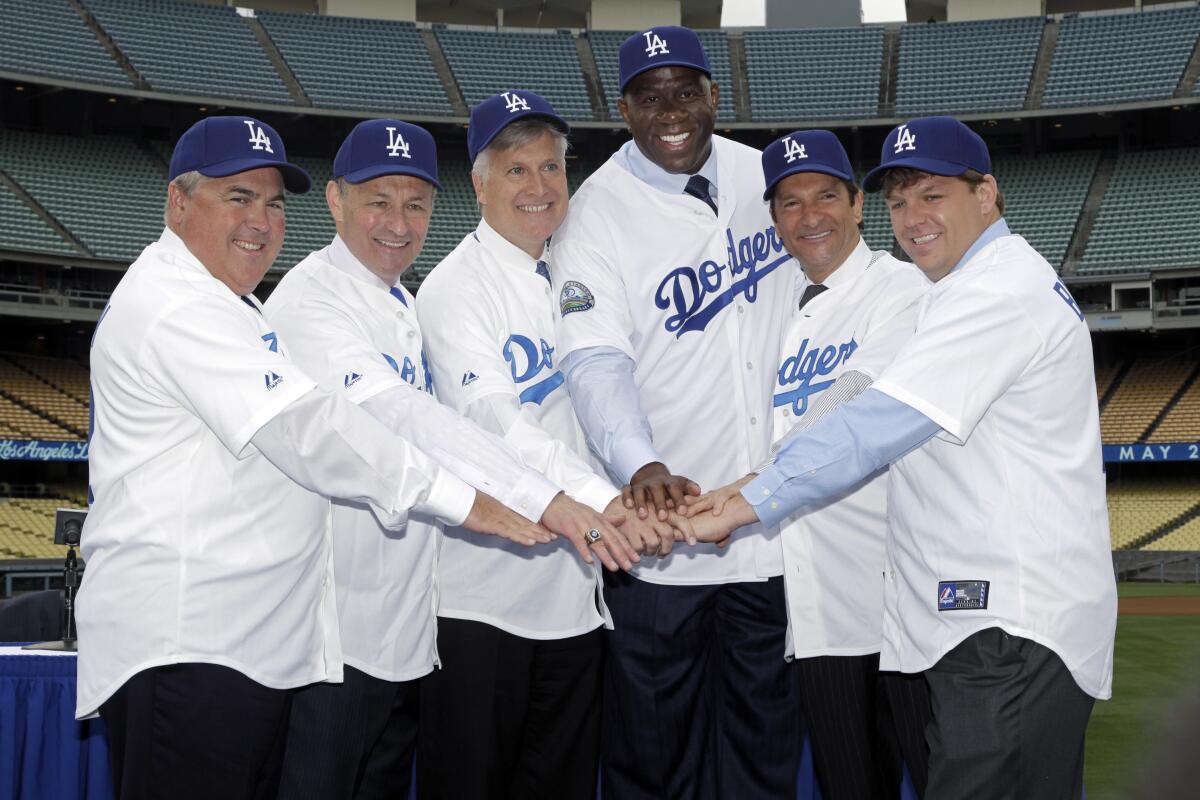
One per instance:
(544,271)
(811,291)
(399,295)
(699,187)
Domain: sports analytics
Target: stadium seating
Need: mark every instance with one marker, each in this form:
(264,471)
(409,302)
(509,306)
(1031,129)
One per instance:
(1137,507)
(59,409)
(309,225)
(21,423)
(1182,422)
(21,229)
(27,528)
(191,48)
(958,67)
(486,62)
(1185,537)
(1104,377)
(367,64)
(607,44)
(1141,395)
(1044,197)
(1112,58)
(68,377)
(47,37)
(1151,190)
(825,74)
(104,190)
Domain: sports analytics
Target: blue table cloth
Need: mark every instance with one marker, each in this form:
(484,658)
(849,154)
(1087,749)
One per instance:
(44,753)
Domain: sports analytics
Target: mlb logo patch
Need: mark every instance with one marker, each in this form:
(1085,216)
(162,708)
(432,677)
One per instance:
(962,595)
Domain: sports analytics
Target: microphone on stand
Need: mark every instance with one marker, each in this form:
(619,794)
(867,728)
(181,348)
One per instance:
(68,528)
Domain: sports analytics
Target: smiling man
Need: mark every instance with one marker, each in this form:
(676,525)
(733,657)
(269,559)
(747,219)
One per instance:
(855,309)
(514,712)
(999,583)
(207,597)
(353,327)
(673,290)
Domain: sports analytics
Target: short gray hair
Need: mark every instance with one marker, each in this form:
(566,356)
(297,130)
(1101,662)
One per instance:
(518,134)
(186,183)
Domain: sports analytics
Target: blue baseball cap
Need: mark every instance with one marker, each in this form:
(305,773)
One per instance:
(804,151)
(498,111)
(665,46)
(386,147)
(937,145)
(222,146)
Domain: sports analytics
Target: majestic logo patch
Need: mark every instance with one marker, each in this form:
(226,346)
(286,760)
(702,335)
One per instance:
(272,380)
(514,102)
(809,363)
(905,140)
(575,297)
(396,144)
(258,137)
(655,44)
(696,295)
(962,595)
(469,378)
(793,150)
(351,379)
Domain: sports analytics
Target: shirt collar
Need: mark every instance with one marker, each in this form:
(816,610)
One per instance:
(339,255)
(854,265)
(990,234)
(635,162)
(175,247)
(505,251)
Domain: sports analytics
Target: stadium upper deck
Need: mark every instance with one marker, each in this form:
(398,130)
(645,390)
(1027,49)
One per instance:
(337,65)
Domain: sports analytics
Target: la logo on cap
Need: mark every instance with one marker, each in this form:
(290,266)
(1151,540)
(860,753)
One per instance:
(258,137)
(793,150)
(655,45)
(514,102)
(905,139)
(396,144)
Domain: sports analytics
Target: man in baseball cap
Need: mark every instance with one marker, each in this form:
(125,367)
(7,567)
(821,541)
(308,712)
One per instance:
(855,309)
(515,709)
(352,325)
(671,281)
(213,457)
(999,583)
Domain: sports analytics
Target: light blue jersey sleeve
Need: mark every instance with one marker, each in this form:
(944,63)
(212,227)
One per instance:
(600,381)
(844,448)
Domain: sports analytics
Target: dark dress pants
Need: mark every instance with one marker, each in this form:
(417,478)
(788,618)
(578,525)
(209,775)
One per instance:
(510,718)
(1008,722)
(698,700)
(201,731)
(353,740)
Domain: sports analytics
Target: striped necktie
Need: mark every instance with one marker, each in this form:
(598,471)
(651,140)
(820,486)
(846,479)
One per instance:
(543,270)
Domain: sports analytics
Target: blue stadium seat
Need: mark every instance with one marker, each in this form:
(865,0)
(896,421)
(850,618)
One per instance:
(1147,219)
(826,74)
(958,67)
(191,49)
(368,64)
(486,62)
(47,37)
(1116,58)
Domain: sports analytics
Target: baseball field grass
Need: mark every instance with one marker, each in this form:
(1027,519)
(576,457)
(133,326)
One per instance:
(1156,657)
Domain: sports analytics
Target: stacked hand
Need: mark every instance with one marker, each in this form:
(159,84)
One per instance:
(591,532)
(714,516)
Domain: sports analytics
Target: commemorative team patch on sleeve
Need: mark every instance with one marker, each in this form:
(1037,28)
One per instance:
(962,595)
(575,297)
